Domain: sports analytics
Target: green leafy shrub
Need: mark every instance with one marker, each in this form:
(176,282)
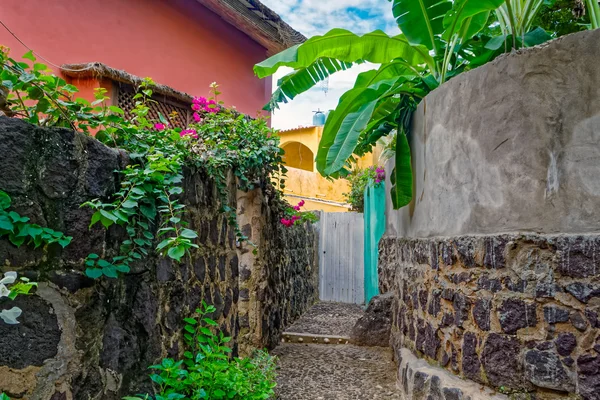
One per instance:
(207,370)
(359,180)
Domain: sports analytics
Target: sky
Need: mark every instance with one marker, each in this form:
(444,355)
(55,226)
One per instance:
(316,17)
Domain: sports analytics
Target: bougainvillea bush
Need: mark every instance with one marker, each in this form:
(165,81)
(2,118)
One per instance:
(295,216)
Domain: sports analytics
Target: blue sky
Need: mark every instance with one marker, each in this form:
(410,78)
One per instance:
(316,17)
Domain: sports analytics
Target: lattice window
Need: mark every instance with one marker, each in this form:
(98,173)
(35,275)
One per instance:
(164,104)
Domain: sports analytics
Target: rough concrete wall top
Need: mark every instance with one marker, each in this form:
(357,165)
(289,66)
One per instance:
(510,146)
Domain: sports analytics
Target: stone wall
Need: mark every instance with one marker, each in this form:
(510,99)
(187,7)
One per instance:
(494,266)
(518,312)
(85,339)
(278,281)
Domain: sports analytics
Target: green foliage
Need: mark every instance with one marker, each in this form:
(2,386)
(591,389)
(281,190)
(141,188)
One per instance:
(359,180)
(148,198)
(223,140)
(147,206)
(441,39)
(19,231)
(10,288)
(45,99)
(4,397)
(558,17)
(208,371)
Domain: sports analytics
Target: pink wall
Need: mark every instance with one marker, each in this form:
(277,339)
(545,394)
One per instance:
(178,43)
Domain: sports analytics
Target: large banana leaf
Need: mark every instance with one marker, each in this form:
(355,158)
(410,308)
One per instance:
(421,20)
(346,122)
(402,177)
(468,17)
(303,79)
(354,111)
(376,47)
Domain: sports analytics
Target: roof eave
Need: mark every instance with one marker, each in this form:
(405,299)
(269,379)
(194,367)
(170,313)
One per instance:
(258,21)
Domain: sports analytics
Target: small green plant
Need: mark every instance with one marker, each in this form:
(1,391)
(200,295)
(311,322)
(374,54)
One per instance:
(17,287)
(4,397)
(208,371)
(359,180)
(19,231)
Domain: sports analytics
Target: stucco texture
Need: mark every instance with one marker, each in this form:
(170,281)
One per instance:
(511,146)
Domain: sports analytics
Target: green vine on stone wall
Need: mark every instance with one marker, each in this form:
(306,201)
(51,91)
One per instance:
(218,141)
(19,231)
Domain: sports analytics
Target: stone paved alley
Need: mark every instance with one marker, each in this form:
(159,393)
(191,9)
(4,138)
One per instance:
(310,371)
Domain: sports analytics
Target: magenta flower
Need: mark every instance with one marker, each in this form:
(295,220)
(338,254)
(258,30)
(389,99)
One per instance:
(197,117)
(301,204)
(189,132)
(297,208)
(160,126)
(195,107)
(200,101)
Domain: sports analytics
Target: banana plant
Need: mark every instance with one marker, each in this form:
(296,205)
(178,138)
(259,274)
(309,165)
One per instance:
(436,44)
(593,8)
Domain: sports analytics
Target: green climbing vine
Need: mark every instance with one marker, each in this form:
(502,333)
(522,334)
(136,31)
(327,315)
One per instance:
(147,205)
(19,231)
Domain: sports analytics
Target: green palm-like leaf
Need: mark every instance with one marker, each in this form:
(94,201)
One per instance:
(354,112)
(468,17)
(344,125)
(376,47)
(301,80)
(421,20)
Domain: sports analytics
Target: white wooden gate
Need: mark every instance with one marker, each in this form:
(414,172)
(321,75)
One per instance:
(341,258)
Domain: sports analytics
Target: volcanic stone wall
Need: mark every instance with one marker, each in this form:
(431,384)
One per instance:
(517,312)
(94,339)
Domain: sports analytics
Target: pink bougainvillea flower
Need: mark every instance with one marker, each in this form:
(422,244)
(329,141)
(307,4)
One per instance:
(297,208)
(189,132)
(159,126)
(197,117)
(301,204)
(195,107)
(200,100)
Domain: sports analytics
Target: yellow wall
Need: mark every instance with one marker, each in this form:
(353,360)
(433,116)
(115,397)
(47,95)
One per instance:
(303,182)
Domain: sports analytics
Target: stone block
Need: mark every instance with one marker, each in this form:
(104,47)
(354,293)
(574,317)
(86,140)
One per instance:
(373,328)
(544,369)
(515,314)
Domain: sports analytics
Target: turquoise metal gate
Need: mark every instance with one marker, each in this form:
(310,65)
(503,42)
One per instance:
(374,215)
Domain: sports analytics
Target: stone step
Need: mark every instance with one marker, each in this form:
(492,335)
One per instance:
(295,337)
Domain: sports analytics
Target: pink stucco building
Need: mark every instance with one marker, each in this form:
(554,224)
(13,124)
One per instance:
(182,44)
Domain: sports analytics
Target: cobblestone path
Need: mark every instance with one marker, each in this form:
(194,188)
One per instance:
(333,372)
(336,319)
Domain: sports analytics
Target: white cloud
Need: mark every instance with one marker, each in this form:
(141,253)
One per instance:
(316,17)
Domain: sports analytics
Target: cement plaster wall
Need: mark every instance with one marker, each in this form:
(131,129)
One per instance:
(511,146)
